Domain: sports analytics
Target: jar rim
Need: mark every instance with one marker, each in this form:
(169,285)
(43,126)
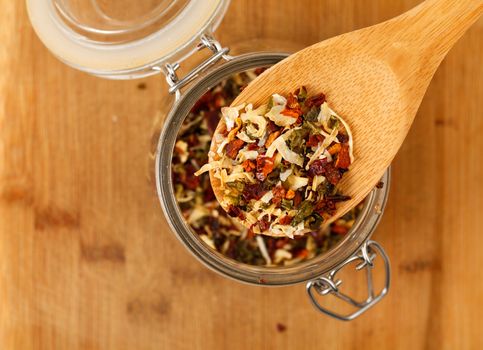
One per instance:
(269,276)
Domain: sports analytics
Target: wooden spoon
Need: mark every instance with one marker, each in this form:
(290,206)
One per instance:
(375,78)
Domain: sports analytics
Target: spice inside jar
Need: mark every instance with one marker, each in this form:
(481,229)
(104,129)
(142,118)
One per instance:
(204,214)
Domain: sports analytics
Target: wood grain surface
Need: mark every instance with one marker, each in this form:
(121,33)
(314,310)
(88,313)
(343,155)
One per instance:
(87,260)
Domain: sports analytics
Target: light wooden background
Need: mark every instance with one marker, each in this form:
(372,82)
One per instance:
(87,260)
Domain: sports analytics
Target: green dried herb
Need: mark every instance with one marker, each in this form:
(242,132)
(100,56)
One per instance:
(305,209)
(312,115)
(296,141)
(302,95)
(315,221)
(270,103)
(287,204)
(238,185)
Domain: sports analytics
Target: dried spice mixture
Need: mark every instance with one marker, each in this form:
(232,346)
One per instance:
(306,149)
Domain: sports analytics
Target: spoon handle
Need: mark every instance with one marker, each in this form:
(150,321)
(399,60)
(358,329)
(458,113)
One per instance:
(435,25)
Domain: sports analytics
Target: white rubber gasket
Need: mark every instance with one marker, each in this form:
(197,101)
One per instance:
(184,30)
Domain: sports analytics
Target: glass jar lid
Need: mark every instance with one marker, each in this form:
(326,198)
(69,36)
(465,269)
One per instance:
(123,39)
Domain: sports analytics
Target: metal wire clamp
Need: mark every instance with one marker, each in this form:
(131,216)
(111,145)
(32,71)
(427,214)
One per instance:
(329,284)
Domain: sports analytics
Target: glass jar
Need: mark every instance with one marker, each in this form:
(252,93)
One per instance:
(160,39)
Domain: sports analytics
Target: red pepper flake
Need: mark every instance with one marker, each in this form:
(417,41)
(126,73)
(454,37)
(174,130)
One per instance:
(314,140)
(272,127)
(339,229)
(343,158)
(248,165)
(203,104)
(188,178)
(343,138)
(292,108)
(235,212)
(219,100)
(297,199)
(233,147)
(192,140)
(208,194)
(278,194)
(303,254)
(291,113)
(260,70)
(286,220)
(335,148)
(280,242)
(262,280)
(265,166)
(263,224)
(281,327)
(315,100)
(212,120)
(292,102)
(290,194)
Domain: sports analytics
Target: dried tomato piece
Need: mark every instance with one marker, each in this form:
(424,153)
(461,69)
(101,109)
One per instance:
(234,211)
(208,194)
(278,194)
(212,120)
(343,158)
(332,174)
(286,220)
(280,242)
(253,191)
(325,208)
(339,229)
(188,178)
(263,224)
(203,104)
(343,138)
(292,108)
(249,165)
(250,233)
(265,166)
(252,146)
(233,147)
(297,199)
(315,100)
(314,140)
(317,167)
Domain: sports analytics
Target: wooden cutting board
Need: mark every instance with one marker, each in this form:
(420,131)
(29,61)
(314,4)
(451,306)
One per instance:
(87,260)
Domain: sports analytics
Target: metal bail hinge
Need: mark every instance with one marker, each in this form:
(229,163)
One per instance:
(207,41)
(328,284)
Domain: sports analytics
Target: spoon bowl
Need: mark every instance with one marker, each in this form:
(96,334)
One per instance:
(374,78)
